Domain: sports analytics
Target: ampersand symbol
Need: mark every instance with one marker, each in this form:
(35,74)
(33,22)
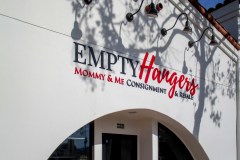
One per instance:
(176,93)
(109,79)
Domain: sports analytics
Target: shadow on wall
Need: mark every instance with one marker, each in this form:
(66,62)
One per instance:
(204,55)
(111,32)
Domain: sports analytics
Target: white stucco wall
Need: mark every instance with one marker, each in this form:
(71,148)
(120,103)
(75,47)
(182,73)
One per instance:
(42,101)
(141,128)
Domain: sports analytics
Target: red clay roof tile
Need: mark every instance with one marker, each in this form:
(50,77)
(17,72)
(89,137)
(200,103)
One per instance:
(217,25)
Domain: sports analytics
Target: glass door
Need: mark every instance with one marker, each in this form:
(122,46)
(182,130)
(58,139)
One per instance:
(170,147)
(119,147)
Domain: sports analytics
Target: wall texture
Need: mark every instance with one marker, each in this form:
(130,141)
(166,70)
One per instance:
(43,101)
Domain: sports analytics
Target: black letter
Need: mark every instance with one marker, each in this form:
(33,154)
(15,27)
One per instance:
(133,68)
(123,63)
(91,54)
(109,60)
(79,53)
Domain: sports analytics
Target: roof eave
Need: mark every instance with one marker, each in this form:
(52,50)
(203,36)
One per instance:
(217,25)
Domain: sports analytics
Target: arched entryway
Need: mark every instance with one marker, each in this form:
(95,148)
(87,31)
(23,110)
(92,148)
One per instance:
(138,134)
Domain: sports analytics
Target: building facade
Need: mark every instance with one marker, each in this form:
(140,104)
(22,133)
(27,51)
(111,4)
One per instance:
(228,16)
(79,81)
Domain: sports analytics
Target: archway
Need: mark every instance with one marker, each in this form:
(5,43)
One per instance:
(147,125)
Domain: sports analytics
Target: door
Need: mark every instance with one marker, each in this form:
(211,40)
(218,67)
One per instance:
(119,147)
(170,146)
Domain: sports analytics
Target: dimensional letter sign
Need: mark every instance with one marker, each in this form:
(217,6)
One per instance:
(106,60)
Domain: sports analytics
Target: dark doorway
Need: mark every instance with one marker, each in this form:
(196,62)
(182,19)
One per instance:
(170,147)
(119,147)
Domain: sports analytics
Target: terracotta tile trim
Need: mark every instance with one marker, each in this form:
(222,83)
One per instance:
(217,25)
